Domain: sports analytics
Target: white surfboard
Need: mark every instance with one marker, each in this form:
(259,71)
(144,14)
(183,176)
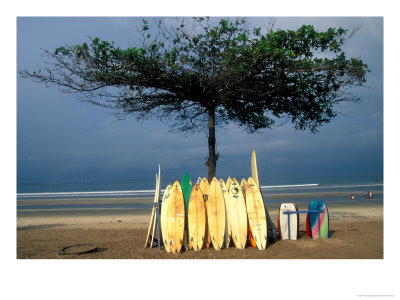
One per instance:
(238,215)
(228,229)
(164,217)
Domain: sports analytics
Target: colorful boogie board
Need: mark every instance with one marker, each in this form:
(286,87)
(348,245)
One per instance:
(186,186)
(176,218)
(164,216)
(197,218)
(312,223)
(256,214)
(216,214)
(283,220)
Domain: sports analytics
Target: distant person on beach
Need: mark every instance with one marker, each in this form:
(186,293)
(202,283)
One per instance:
(352,197)
(368,195)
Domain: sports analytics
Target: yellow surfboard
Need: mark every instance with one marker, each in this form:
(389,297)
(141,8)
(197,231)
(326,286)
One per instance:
(205,187)
(254,170)
(254,174)
(196,218)
(237,215)
(216,214)
(228,183)
(176,218)
(249,232)
(243,185)
(164,217)
(256,214)
(228,230)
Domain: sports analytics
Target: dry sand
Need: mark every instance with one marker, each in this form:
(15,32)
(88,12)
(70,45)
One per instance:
(356,231)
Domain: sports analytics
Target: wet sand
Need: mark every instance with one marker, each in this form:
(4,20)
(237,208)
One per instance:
(356,232)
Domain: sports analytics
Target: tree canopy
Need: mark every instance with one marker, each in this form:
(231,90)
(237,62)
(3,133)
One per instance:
(201,74)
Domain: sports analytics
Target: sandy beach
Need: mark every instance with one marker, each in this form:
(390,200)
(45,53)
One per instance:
(356,232)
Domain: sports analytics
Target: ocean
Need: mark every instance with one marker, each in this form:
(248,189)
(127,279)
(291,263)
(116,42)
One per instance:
(134,196)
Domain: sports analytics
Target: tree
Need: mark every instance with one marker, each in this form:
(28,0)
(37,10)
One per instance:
(201,74)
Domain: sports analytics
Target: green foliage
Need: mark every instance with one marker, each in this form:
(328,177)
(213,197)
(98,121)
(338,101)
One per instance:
(250,77)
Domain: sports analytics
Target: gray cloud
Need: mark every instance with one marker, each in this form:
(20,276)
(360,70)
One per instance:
(60,138)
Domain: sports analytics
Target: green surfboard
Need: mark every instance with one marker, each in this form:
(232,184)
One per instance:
(186,186)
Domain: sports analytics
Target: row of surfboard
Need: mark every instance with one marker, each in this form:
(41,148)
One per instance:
(216,213)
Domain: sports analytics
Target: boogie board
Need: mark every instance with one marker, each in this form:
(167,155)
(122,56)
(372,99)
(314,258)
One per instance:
(283,222)
(197,218)
(256,214)
(205,187)
(186,186)
(216,214)
(313,224)
(164,217)
(237,215)
(176,218)
(225,193)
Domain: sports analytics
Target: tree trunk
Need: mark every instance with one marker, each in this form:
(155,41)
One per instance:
(212,158)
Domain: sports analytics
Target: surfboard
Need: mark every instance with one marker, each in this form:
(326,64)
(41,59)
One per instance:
(216,214)
(228,231)
(186,185)
(164,217)
(254,174)
(254,170)
(197,218)
(243,185)
(237,215)
(157,211)
(154,213)
(250,236)
(176,218)
(312,221)
(153,217)
(205,187)
(283,221)
(256,214)
(228,183)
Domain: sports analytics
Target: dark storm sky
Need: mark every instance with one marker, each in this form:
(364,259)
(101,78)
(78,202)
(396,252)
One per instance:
(62,139)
